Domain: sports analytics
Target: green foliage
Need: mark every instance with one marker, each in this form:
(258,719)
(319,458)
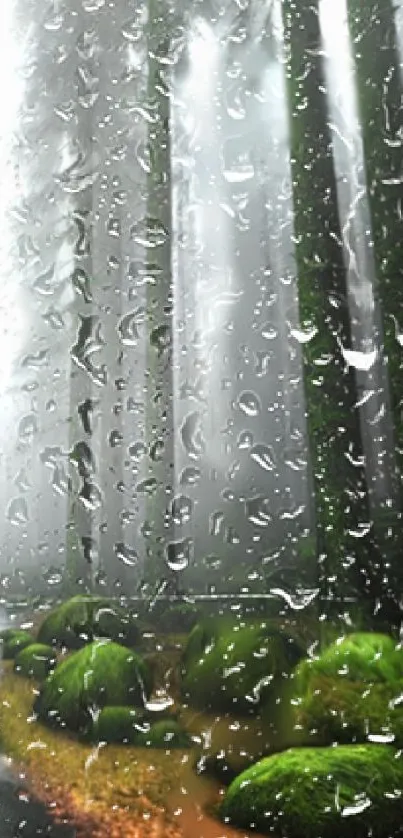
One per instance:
(84,618)
(35,661)
(349,791)
(165,734)
(361,656)
(121,725)
(228,665)
(101,674)
(14,640)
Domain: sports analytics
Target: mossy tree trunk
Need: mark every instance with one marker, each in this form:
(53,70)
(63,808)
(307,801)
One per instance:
(379,86)
(347,564)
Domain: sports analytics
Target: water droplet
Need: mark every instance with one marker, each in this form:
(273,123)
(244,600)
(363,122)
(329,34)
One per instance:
(189,476)
(36,361)
(85,410)
(87,84)
(157,450)
(147,487)
(257,511)
(191,435)
(54,22)
(93,5)
(90,496)
(238,166)
(235,106)
(245,440)
(21,481)
(49,456)
(299,599)
(89,342)
(137,450)
(113,228)
(381,738)
(149,233)
(52,576)
(43,284)
(161,338)
(249,403)
(115,439)
(128,326)
(181,509)
(212,561)
(159,703)
(360,360)
(178,554)
(292,514)
(231,536)
(54,319)
(268,331)
(27,428)
(362,802)
(81,282)
(263,455)
(143,156)
(303,336)
(82,457)
(61,481)
(132,30)
(127,555)
(262,363)
(216,521)
(17,511)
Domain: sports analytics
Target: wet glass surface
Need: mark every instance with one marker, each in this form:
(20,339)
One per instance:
(201,319)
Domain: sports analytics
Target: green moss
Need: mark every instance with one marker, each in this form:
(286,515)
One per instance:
(344,711)
(84,618)
(333,425)
(120,725)
(35,661)
(14,640)
(229,665)
(352,791)
(101,674)
(361,656)
(165,734)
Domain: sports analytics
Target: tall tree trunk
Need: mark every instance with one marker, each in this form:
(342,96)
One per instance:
(379,86)
(346,561)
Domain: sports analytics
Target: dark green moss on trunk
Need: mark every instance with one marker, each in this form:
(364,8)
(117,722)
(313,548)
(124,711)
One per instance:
(347,563)
(379,87)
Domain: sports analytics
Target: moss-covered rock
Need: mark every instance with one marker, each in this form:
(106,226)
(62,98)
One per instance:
(13,641)
(82,619)
(123,725)
(101,674)
(165,734)
(361,656)
(339,710)
(351,791)
(350,692)
(229,665)
(35,661)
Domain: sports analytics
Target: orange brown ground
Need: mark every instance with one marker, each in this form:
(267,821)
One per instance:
(111,792)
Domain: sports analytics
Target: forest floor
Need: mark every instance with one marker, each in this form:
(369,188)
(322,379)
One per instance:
(105,792)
